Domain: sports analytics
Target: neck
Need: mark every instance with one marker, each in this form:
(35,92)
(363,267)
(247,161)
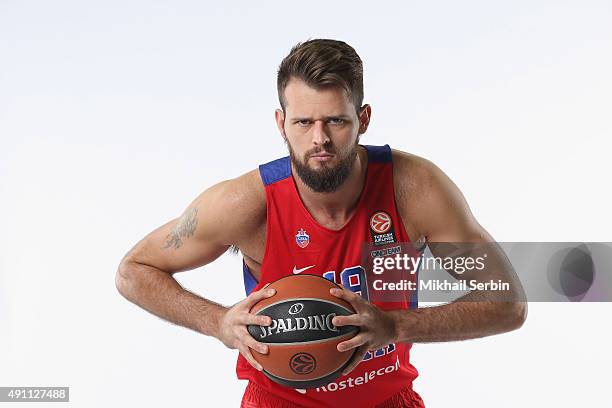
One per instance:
(334,209)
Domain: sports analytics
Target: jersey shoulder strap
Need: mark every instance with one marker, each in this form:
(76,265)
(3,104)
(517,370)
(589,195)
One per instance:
(379,154)
(276,170)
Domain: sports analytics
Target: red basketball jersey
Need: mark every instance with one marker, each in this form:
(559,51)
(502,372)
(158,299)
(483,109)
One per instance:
(296,243)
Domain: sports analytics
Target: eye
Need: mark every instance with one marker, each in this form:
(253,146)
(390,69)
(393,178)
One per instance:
(303,122)
(336,121)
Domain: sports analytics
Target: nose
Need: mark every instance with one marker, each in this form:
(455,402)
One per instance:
(319,135)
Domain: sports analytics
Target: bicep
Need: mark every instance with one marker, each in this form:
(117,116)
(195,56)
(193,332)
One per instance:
(446,215)
(219,217)
(441,213)
(449,220)
(171,249)
(193,239)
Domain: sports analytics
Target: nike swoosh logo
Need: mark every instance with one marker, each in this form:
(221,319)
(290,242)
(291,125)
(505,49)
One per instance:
(296,271)
(301,390)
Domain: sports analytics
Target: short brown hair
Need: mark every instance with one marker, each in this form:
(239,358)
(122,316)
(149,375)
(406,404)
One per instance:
(323,63)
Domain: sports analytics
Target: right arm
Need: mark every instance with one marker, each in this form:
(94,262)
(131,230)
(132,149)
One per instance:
(221,216)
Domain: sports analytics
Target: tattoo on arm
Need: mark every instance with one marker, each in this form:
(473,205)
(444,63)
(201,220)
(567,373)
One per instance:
(184,228)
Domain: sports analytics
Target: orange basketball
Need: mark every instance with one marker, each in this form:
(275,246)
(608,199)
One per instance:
(302,340)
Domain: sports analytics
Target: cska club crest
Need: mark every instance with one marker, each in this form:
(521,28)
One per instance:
(302,238)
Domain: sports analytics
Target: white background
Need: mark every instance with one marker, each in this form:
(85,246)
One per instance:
(114,115)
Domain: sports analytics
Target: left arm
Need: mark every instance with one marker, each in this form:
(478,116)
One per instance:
(439,212)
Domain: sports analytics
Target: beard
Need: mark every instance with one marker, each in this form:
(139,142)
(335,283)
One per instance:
(326,179)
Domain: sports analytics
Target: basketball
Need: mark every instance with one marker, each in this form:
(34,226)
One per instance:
(301,339)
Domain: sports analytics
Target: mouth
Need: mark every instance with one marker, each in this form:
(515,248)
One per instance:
(322,157)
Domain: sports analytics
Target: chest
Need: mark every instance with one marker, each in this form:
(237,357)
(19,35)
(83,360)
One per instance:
(253,247)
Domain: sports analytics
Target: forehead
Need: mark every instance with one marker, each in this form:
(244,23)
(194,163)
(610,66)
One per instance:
(302,98)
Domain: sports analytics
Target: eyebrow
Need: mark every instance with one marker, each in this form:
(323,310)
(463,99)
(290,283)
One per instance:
(296,118)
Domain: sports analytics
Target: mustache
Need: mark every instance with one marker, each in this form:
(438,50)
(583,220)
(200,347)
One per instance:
(319,150)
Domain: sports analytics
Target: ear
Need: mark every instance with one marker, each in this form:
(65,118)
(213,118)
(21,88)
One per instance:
(279,117)
(364,118)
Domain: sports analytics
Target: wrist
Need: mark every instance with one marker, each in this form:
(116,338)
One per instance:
(211,322)
(401,325)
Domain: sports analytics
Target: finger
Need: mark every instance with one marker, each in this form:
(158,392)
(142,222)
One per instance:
(246,352)
(354,320)
(250,318)
(254,344)
(344,293)
(357,358)
(356,341)
(354,299)
(257,296)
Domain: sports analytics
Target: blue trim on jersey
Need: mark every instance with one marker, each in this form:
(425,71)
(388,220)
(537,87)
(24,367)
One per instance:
(379,154)
(414,301)
(249,280)
(280,169)
(275,170)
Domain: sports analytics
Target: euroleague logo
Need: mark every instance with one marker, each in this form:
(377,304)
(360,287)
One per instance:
(381,228)
(380,222)
(302,363)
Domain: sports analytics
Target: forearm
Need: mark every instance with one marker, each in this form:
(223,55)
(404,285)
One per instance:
(460,320)
(159,293)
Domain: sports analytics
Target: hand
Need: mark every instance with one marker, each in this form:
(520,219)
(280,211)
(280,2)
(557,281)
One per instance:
(376,327)
(233,326)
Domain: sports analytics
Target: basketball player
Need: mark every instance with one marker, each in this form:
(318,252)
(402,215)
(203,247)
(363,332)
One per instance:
(311,212)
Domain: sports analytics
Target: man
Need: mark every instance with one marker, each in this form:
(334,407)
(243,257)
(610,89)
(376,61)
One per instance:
(312,212)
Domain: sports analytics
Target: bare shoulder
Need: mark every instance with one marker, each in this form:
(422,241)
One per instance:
(410,176)
(426,195)
(245,194)
(414,176)
(410,169)
(236,207)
